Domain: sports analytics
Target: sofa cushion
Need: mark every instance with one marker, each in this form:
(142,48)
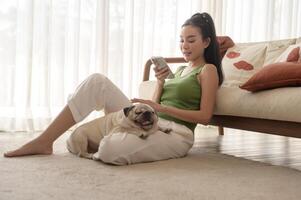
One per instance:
(276,48)
(241,62)
(275,104)
(291,54)
(275,75)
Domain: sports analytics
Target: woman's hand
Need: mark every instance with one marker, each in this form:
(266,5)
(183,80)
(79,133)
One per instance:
(161,74)
(156,106)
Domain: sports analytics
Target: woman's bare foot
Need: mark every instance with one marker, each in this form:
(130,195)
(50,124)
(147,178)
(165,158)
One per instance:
(36,146)
(43,144)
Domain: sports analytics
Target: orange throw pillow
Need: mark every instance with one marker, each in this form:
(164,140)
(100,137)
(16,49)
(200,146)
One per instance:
(293,56)
(275,75)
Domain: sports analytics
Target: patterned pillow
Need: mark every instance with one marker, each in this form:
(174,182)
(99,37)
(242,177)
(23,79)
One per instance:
(242,61)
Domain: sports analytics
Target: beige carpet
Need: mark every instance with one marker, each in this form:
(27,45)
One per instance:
(200,175)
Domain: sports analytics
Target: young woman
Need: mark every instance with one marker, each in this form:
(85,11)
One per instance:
(181,103)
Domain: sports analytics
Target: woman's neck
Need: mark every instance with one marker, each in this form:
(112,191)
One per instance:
(197,62)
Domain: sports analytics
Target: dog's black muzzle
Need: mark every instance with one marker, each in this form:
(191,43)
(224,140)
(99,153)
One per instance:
(147,115)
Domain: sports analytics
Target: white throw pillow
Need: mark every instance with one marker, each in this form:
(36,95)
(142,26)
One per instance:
(291,54)
(276,48)
(298,40)
(242,61)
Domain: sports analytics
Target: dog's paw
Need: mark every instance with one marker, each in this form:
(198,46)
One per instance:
(95,156)
(142,136)
(165,130)
(87,156)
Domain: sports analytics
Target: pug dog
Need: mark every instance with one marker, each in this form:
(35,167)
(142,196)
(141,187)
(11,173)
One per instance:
(139,119)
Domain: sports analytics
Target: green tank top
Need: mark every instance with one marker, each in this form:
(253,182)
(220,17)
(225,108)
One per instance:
(183,93)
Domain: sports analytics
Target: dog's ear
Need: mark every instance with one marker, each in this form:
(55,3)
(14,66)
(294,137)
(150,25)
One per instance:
(127,110)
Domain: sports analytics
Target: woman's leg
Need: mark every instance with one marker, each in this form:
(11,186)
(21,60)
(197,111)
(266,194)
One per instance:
(95,93)
(43,143)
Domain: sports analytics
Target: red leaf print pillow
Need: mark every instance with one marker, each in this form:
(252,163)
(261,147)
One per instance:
(233,54)
(244,65)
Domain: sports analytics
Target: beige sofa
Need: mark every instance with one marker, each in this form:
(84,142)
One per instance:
(274,111)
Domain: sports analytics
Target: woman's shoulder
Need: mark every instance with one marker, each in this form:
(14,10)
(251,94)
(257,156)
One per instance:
(209,68)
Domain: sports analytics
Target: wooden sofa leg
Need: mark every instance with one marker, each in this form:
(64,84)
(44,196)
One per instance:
(221,130)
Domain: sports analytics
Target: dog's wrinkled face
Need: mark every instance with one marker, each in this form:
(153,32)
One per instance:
(142,115)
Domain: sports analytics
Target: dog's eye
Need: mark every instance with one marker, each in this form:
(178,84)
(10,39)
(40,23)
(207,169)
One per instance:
(138,113)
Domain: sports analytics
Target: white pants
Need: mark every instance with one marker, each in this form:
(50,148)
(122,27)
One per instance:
(98,92)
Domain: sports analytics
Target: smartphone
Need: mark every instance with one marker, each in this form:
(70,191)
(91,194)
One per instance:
(161,63)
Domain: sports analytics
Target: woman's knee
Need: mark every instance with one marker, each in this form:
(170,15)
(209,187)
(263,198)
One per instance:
(97,77)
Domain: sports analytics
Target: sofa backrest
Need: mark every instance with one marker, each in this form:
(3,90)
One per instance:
(244,59)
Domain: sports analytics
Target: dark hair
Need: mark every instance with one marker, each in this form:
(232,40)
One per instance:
(205,23)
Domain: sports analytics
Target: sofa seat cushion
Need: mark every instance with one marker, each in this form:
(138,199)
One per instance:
(275,104)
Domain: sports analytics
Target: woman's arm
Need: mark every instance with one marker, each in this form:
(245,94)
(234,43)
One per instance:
(158,92)
(208,79)
(161,75)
